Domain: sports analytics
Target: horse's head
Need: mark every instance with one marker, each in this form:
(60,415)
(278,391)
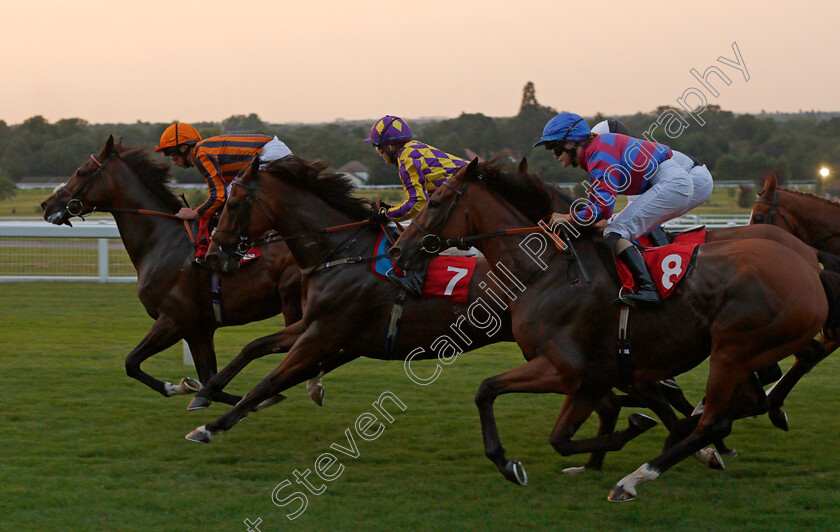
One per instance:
(440,222)
(766,207)
(85,190)
(240,222)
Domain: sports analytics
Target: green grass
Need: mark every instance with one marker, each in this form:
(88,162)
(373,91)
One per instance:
(86,448)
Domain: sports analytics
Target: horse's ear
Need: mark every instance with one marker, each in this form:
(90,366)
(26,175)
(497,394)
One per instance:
(107,149)
(471,170)
(254,168)
(522,169)
(771,181)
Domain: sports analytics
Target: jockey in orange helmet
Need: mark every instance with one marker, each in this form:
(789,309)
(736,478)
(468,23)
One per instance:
(219,160)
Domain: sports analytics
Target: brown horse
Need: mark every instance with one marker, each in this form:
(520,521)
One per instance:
(746,304)
(175,293)
(816,221)
(346,308)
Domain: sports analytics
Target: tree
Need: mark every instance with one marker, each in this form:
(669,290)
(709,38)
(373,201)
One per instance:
(529,95)
(7,187)
(243,124)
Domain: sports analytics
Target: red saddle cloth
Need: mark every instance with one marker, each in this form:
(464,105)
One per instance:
(667,264)
(449,277)
(250,256)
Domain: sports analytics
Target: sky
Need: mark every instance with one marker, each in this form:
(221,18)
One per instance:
(321,60)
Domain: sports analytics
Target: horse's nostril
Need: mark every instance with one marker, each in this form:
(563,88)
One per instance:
(394,252)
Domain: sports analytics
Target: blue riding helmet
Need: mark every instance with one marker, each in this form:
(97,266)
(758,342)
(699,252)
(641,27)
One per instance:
(564,127)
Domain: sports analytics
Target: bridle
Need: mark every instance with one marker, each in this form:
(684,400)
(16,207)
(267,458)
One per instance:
(74,205)
(431,242)
(244,214)
(243,221)
(774,208)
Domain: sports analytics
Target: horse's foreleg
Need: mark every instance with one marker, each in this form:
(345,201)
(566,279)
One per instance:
(304,361)
(162,335)
(279,342)
(807,357)
(575,410)
(536,376)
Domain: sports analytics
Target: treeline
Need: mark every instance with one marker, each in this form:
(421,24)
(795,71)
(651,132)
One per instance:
(733,146)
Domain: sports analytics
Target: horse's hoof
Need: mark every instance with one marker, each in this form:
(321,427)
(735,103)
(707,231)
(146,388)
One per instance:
(198,402)
(270,402)
(318,396)
(199,435)
(515,472)
(779,419)
(642,422)
(619,494)
(190,384)
(711,458)
(574,470)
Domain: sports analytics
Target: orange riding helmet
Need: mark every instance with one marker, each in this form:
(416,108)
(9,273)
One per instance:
(177,134)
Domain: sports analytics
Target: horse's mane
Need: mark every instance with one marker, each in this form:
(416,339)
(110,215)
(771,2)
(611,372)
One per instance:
(154,174)
(527,193)
(835,203)
(334,189)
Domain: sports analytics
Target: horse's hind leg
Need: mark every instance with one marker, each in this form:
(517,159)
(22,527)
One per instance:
(728,397)
(163,334)
(807,357)
(279,342)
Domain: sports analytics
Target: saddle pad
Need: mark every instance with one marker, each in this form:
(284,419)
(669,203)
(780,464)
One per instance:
(667,264)
(446,277)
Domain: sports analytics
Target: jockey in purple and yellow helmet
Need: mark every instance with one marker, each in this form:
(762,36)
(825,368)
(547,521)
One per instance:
(219,160)
(422,168)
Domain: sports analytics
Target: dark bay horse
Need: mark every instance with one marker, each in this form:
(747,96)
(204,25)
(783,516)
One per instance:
(816,222)
(174,292)
(346,308)
(746,304)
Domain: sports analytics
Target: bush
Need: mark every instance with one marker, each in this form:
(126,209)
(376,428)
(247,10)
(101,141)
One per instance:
(746,196)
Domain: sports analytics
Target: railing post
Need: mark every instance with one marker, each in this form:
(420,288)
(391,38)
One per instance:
(103,260)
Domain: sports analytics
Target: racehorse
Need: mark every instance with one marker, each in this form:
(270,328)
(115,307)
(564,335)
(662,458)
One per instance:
(175,293)
(746,304)
(815,221)
(346,308)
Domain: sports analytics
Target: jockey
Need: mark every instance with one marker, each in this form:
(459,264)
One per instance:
(618,164)
(700,177)
(219,160)
(422,169)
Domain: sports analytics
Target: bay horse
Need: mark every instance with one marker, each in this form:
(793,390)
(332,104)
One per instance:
(816,222)
(175,293)
(746,304)
(346,309)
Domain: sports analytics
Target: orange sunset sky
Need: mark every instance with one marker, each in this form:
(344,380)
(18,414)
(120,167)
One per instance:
(320,60)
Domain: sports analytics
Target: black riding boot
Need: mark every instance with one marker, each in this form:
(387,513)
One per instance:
(658,236)
(646,293)
(412,282)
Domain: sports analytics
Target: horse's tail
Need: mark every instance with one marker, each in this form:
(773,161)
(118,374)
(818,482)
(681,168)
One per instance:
(831,285)
(829,261)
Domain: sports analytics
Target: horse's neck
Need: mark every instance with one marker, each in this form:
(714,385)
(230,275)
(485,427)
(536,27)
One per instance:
(145,235)
(310,214)
(814,216)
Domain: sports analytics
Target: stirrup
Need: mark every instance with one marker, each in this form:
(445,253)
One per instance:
(201,262)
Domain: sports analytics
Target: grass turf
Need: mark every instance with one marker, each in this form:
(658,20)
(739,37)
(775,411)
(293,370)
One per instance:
(86,448)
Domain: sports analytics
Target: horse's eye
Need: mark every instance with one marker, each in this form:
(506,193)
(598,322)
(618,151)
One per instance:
(758,219)
(434,204)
